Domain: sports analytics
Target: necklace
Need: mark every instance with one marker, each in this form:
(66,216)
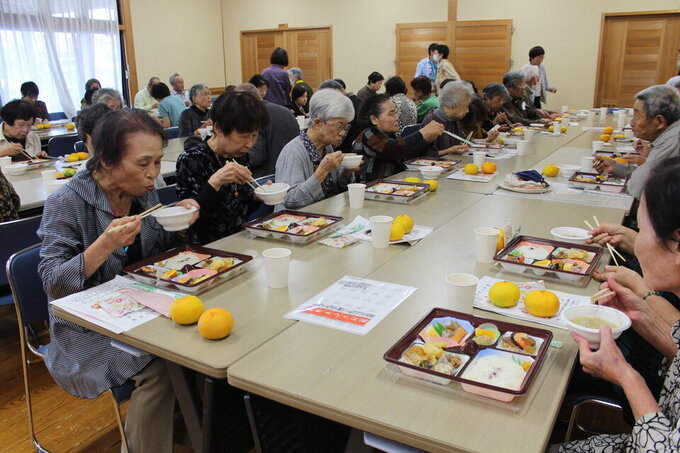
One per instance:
(221,164)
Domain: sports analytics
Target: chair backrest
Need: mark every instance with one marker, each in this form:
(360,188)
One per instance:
(168,194)
(173,132)
(59,146)
(29,296)
(56,116)
(410,130)
(17,235)
(80,147)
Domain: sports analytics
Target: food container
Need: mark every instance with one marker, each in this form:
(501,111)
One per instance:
(619,320)
(175,218)
(351,161)
(606,183)
(550,258)
(293,226)
(40,162)
(570,234)
(568,170)
(445,164)
(15,169)
(395,191)
(432,172)
(169,267)
(463,355)
(272,194)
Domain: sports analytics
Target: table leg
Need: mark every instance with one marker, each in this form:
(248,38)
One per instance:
(189,404)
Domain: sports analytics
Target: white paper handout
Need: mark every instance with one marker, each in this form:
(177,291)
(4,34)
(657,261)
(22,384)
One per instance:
(361,229)
(117,305)
(479,177)
(352,304)
(566,300)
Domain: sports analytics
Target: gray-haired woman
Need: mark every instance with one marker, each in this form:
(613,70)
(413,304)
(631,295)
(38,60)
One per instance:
(109,97)
(197,116)
(308,163)
(454,100)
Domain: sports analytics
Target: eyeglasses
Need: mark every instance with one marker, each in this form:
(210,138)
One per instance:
(340,127)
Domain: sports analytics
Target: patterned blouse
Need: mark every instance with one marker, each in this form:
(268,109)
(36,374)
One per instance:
(655,432)
(9,200)
(406,110)
(222,211)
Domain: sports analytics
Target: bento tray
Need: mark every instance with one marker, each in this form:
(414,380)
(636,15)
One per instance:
(392,197)
(470,349)
(41,162)
(568,277)
(255,227)
(419,162)
(610,184)
(222,275)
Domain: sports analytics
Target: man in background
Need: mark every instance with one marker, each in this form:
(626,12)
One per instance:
(427,66)
(144,100)
(177,84)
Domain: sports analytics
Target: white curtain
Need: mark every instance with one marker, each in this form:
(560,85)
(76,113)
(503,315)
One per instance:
(59,45)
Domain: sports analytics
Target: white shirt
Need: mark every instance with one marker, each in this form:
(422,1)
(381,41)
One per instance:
(32,141)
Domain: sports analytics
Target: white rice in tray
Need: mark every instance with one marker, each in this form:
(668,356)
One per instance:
(496,370)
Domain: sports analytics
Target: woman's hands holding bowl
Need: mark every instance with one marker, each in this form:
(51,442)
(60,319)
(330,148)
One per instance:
(189,203)
(605,363)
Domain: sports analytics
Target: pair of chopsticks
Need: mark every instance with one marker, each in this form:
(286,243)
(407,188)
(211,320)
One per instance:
(251,181)
(27,155)
(612,251)
(467,142)
(146,213)
(601,294)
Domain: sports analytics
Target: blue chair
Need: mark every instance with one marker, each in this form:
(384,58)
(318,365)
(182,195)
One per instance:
(173,132)
(80,147)
(264,209)
(60,146)
(31,303)
(410,130)
(168,194)
(56,116)
(23,234)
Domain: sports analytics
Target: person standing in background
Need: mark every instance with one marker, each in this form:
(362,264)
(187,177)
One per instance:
(445,69)
(279,83)
(536,56)
(177,84)
(144,100)
(427,66)
(375,81)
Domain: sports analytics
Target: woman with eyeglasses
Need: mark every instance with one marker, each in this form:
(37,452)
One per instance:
(308,163)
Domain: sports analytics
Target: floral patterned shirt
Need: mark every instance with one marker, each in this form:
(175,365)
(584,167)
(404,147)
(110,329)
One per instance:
(9,201)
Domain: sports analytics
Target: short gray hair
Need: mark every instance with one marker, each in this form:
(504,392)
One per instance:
(513,78)
(196,90)
(661,100)
(173,77)
(327,103)
(152,79)
(495,89)
(530,72)
(455,93)
(248,88)
(295,72)
(332,84)
(106,94)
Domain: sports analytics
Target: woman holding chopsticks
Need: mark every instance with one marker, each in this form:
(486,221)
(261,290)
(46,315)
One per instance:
(90,230)
(215,172)
(16,138)
(454,101)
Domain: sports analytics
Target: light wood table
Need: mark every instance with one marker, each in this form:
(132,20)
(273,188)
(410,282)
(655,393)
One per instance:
(174,149)
(342,376)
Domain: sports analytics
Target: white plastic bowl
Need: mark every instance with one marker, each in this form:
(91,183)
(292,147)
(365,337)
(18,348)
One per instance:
(15,169)
(272,194)
(570,234)
(568,170)
(175,218)
(431,172)
(593,335)
(351,161)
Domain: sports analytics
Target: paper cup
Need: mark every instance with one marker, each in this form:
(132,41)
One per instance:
(529,135)
(565,108)
(603,111)
(522,147)
(48,175)
(620,121)
(597,145)
(203,132)
(277,263)
(587,164)
(301,121)
(478,158)
(381,225)
(356,193)
(628,133)
(5,161)
(591,116)
(460,291)
(486,239)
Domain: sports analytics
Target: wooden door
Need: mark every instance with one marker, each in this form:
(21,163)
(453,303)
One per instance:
(636,51)
(256,48)
(481,50)
(412,43)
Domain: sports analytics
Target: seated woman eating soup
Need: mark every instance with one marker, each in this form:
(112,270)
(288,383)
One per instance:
(81,249)
(308,163)
(454,100)
(215,172)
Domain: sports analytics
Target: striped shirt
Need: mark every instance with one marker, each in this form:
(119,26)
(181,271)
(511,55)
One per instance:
(83,362)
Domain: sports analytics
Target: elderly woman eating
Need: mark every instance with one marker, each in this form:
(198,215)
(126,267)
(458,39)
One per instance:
(384,153)
(215,172)
(473,121)
(516,108)
(90,230)
(308,163)
(197,116)
(494,95)
(16,138)
(454,100)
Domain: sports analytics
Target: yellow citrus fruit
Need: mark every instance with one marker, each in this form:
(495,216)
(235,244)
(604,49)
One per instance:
(605,137)
(551,128)
(619,136)
(608,130)
(215,323)
(542,303)
(516,129)
(47,126)
(59,175)
(621,160)
(70,126)
(563,129)
(412,179)
(488,167)
(500,140)
(558,119)
(186,310)
(551,170)
(73,157)
(471,169)
(40,126)
(434,185)
(68,172)
(82,155)
(501,240)
(397,231)
(504,294)
(406,222)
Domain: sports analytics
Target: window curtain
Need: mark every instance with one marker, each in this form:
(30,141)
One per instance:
(59,45)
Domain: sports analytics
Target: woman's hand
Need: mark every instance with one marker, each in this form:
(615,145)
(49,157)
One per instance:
(11,149)
(613,234)
(330,162)
(625,300)
(492,135)
(432,130)
(456,149)
(607,362)
(501,118)
(623,276)
(230,172)
(635,159)
(604,165)
(189,203)
(41,154)
(122,237)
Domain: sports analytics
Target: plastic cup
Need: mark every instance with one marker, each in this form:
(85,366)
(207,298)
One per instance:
(203,132)
(587,164)
(486,239)
(277,263)
(565,108)
(628,133)
(5,161)
(301,121)
(48,175)
(529,135)
(381,225)
(557,129)
(460,291)
(603,111)
(356,193)
(478,158)
(522,147)
(621,121)
(591,116)
(597,145)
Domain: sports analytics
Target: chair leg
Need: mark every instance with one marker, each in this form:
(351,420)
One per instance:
(119,419)
(29,406)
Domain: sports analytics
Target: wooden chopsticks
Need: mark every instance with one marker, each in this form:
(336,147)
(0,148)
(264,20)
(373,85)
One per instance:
(606,292)
(146,213)
(612,251)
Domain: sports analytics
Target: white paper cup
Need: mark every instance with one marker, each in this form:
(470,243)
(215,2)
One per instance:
(591,116)
(557,129)
(203,132)
(565,108)
(529,135)
(587,164)
(565,121)
(356,193)
(5,161)
(603,111)
(597,145)
(486,239)
(522,147)
(628,133)
(301,121)
(381,225)
(620,121)
(48,175)
(478,158)
(277,263)
(460,291)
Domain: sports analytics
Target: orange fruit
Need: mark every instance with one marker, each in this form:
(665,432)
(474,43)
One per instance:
(500,243)
(70,126)
(73,157)
(47,126)
(397,231)
(621,160)
(489,167)
(504,294)
(215,323)
(471,169)
(608,130)
(563,129)
(542,303)
(186,310)
(551,170)
(605,137)
(434,185)
(83,155)
(412,179)
(406,222)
